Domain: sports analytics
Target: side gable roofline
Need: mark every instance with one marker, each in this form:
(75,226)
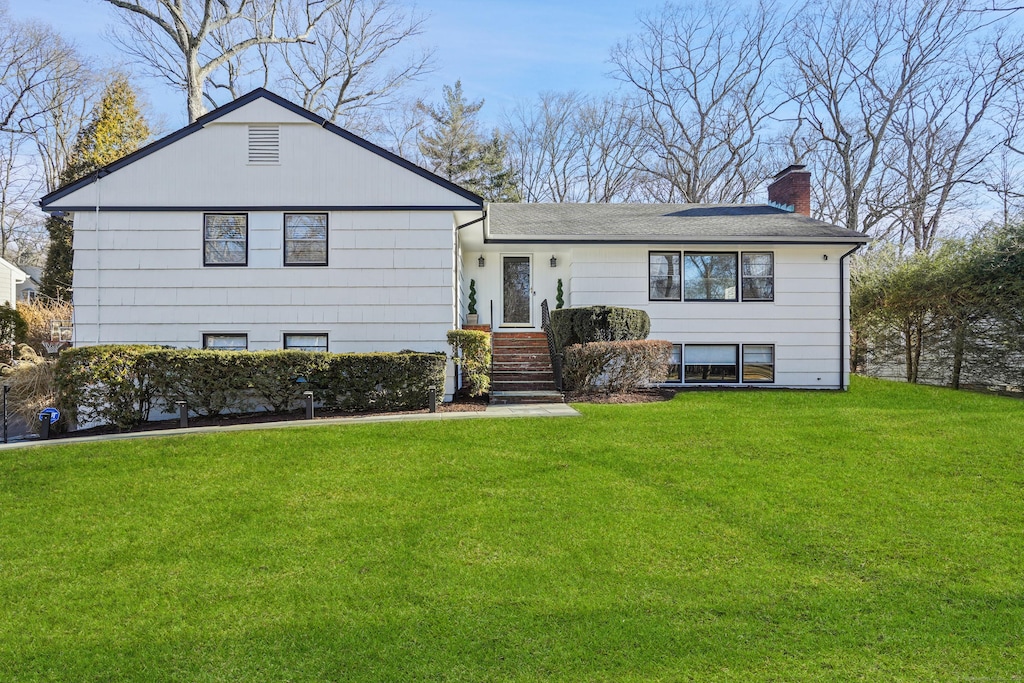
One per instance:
(209,117)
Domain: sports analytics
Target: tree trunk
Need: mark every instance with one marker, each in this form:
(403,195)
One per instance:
(195,88)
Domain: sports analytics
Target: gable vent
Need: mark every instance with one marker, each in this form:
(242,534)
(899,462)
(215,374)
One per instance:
(264,144)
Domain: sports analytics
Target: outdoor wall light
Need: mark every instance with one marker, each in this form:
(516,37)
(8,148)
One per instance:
(480,261)
(824,256)
(554,262)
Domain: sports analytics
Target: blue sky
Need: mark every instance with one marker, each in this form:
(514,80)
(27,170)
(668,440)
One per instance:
(502,50)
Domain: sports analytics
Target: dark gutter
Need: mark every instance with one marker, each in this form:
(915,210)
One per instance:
(679,240)
(472,222)
(842,318)
(240,209)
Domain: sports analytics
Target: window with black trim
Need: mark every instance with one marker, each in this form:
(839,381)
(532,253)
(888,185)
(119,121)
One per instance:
(225,239)
(305,239)
(709,276)
(710,363)
(675,364)
(226,342)
(758,274)
(664,276)
(758,363)
(303,341)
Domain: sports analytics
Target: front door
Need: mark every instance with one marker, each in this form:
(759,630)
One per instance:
(516,291)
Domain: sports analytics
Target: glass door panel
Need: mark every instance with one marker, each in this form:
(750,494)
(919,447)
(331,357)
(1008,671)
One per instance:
(515,290)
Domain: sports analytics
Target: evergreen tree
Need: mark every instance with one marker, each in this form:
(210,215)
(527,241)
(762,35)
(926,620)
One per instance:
(115,129)
(455,149)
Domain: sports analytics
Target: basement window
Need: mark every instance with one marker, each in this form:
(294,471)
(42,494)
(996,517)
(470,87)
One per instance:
(758,363)
(226,342)
(711,363)
(306,342)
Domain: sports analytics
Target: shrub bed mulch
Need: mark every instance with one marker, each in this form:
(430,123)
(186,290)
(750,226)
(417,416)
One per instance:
(638,396)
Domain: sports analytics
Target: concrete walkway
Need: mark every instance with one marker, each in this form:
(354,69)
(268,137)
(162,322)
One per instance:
(530,410)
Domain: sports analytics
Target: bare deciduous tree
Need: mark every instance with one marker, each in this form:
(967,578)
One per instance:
(35,66)
(944,141)
(186,42)
(19,182)
(900,90)
(545,147)
(701,72)
(351,62)
(569,148)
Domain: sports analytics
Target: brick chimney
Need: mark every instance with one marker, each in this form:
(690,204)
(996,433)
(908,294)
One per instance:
(792,186)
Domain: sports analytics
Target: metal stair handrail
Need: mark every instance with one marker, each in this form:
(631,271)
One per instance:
(549,332)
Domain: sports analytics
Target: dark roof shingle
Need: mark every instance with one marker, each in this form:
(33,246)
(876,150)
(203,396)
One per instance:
(659,222)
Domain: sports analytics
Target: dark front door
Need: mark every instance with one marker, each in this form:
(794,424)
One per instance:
(515,290)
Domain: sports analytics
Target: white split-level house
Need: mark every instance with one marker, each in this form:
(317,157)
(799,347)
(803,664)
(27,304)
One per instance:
(263,226)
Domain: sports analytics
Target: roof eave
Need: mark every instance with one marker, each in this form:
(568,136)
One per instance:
(673,239)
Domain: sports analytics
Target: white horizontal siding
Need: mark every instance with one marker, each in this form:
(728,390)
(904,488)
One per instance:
(802,322)
(148,284)
(210,168)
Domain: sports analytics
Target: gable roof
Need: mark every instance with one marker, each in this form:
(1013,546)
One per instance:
(658,223)
(248,98)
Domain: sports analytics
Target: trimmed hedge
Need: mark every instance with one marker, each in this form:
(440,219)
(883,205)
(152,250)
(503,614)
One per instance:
(610,367)
(119,384)
(471,350)
(107,384)
(598,324)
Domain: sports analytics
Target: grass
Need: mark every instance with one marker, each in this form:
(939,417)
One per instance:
(872,535)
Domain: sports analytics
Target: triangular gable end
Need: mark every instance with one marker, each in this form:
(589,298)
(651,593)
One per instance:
(264,106)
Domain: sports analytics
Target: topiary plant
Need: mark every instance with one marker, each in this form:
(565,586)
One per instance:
(472,297)
(559,297)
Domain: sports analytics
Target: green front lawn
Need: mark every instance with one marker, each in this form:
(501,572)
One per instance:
(872,535)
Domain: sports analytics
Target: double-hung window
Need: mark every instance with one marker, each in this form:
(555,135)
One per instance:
(225,239)
(664,276)
(709,276)
(758,363)
(758,276)
(305,239)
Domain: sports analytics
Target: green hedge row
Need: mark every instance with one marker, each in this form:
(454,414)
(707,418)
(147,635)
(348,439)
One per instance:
(609,367)
(598,324)
(119,384)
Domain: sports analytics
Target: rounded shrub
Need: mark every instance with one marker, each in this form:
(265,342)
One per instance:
(588,324)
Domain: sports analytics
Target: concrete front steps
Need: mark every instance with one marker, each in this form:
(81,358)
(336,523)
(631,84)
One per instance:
(522,369)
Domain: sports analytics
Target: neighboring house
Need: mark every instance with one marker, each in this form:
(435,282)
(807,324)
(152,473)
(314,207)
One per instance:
(28,290)
(263,226)
(11,276)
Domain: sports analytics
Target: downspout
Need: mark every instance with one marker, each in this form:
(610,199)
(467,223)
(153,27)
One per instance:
(842,318)
(458,289)
(96,229)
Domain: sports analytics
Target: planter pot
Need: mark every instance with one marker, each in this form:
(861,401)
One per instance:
(472,318)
